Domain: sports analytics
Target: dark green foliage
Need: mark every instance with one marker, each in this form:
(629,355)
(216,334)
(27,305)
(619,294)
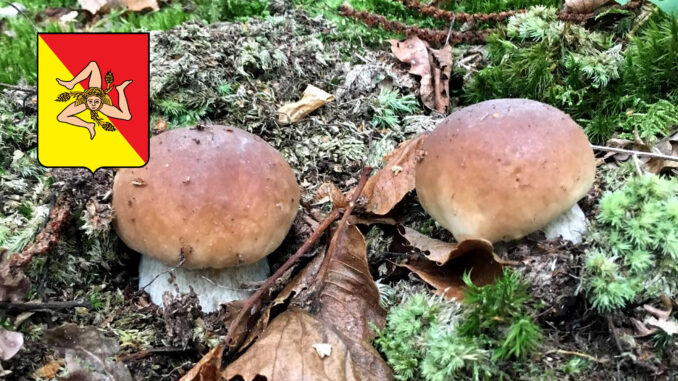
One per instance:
(427,338)
(586,74)
(635,257)
(220,10)
(649,71)
(499,314)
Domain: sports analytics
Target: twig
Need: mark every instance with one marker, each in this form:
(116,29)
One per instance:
(148,352)
(343,224)
(449,31)
(250,304)
(636,164)
(426,34)
(182,260)
(632,152)
(20,88)
(432,11)
(38,306)
(584,355)
(47,238)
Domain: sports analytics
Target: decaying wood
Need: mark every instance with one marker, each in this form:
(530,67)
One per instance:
(47,238)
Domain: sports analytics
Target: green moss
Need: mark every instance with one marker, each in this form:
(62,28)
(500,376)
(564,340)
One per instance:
(587,74)
(428,338)
(635,254)
(18,50)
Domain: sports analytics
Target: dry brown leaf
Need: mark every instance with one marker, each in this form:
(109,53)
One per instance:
(208,368)
(391,183)
(584,6)
(667,146)
(413,52)
(49,370)
(160,126)
(103,6)
(10,343)
(447,279)
(439,251)
(441,68)
(312,99)
(432,65)
(345,301)
(329,192)
(140,5)
(286,351)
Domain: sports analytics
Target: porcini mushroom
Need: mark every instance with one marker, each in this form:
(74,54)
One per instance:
(501,169)
(212,201)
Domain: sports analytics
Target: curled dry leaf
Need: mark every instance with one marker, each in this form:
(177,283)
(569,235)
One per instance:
(584,6)
(439,251)
(445,264)
(89,354)
(344,301)
(391,183)
(432,65)
(10,343)
(312,99)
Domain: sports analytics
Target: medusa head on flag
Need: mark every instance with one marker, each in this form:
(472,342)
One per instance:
(95,99)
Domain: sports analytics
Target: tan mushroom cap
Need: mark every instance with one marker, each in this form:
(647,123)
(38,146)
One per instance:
(504,168)
(219,196)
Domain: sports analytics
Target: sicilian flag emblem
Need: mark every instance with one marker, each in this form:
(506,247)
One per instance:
(93,99)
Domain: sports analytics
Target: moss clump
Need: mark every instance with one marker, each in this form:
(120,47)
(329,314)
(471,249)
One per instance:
(635,245)
(432,339)
(588,74)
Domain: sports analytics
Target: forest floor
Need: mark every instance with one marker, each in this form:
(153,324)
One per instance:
(239,73)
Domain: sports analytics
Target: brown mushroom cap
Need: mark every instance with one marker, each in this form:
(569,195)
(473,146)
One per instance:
(504,168)
(219,196)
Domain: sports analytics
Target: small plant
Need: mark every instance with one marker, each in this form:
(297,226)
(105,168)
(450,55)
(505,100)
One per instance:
(390,106)
(635,254)
(499,313)
(428,338)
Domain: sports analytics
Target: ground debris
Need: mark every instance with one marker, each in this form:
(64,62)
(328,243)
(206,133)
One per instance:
(180,313)
(89,354)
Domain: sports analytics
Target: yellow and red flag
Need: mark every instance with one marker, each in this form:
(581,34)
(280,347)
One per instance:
(93,99)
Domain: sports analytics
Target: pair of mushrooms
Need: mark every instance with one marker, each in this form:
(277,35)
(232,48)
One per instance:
(214,202)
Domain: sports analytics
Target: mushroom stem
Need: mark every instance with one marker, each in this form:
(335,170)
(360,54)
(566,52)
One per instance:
(213,286)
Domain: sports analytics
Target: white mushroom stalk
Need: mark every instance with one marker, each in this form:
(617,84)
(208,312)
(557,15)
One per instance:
(205,211)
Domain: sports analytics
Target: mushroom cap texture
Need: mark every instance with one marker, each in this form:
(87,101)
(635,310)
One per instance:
(218,196)
(504,168)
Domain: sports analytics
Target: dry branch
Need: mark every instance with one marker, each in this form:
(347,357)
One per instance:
(47,238)
(254,304)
